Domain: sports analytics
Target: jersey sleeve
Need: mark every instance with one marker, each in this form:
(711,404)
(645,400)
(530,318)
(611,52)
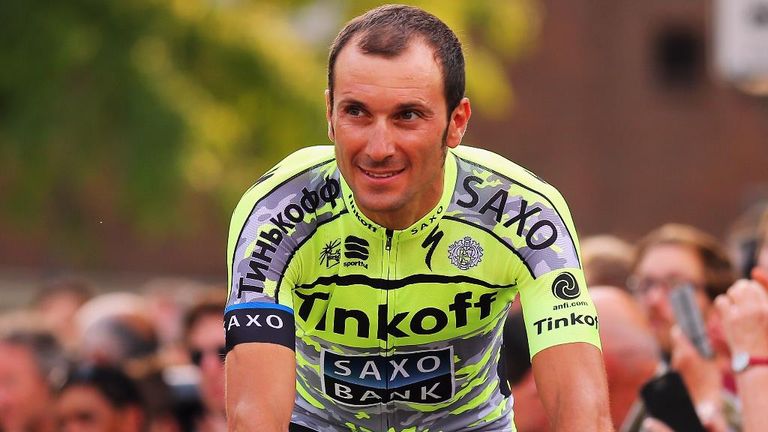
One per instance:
(553,292)
(266,228)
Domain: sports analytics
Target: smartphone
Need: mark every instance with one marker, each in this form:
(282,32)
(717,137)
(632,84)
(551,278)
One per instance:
(689,318)
(666,398)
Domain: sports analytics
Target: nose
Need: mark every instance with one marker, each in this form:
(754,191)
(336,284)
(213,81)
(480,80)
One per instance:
(658,303)
(381,144)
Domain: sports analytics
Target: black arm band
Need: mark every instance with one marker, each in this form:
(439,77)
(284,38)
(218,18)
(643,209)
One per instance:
(270,325)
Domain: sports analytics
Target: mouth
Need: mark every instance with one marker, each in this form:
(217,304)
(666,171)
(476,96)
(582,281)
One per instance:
(381,174)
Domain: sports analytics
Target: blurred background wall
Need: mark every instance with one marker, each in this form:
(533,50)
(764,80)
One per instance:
(128,130)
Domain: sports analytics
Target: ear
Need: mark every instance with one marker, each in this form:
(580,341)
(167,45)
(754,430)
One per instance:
(457,124)
(329,115)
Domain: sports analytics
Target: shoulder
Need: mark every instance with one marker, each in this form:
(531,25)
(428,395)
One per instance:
(486,161)
(523,211)
(292,175)
(297,163)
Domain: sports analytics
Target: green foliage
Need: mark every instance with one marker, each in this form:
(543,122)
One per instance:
(143,104)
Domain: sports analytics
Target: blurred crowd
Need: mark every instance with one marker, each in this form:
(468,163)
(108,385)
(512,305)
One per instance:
(152,360)
(642,335)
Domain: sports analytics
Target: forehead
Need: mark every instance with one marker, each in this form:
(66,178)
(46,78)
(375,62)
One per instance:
(676,259)
(207,330)
(414,69)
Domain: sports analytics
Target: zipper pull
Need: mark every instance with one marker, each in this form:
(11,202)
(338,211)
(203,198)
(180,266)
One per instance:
(388,245)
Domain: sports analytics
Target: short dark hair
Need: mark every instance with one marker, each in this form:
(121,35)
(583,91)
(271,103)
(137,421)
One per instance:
(387,30)
(211,304)
(112,383)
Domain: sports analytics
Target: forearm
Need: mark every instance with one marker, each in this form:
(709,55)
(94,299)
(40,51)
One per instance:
(260,388)
(251,417)
(580,412)
(573,388)
(752,385)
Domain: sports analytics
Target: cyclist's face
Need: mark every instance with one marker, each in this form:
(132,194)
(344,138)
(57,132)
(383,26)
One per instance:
(662,268)
(390,126)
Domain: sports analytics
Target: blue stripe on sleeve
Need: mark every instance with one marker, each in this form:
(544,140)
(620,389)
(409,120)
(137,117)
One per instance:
(258,305)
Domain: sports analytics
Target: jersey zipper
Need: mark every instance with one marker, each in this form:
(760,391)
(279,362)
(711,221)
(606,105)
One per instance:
(388,263)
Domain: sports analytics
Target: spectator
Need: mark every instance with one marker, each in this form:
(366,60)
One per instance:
(607,260)
(167,300)
(31,364)
(100,399)
(56,304)
(629,348)
(667,257)
(117,332)
(744,311)
(760,272)
(675,254)
(204,336)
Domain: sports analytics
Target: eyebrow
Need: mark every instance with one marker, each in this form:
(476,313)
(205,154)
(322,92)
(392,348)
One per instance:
(415,106)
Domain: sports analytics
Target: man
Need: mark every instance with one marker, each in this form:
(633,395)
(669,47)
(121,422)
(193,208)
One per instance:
(205,342)
(100,399)
(31,363)
(368,290)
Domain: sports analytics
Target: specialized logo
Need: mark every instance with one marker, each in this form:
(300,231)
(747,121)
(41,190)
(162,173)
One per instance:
(418,377)
(331,255)
(465,253)
(565,287)
(431,241)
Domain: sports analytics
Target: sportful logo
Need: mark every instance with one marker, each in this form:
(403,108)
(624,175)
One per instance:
(331,255)
(465,253)
(365,380)
(356,248)
(356,251)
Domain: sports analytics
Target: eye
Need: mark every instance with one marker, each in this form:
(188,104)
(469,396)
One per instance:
(409,115)
(353,110)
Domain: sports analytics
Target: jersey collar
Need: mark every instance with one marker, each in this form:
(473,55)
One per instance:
(418,228)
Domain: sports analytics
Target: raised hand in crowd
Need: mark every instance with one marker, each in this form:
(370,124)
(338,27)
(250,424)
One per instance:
(744,313)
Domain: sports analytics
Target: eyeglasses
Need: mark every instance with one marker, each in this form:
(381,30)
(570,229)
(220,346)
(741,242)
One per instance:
(640,286)
(197,355)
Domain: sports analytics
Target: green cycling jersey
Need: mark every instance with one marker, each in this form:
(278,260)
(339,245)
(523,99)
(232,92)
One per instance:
(401,330)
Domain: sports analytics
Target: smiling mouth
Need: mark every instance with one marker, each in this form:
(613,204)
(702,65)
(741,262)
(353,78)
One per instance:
(381,175)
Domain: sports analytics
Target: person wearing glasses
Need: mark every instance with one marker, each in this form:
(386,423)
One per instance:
(668,257)
(204,339)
